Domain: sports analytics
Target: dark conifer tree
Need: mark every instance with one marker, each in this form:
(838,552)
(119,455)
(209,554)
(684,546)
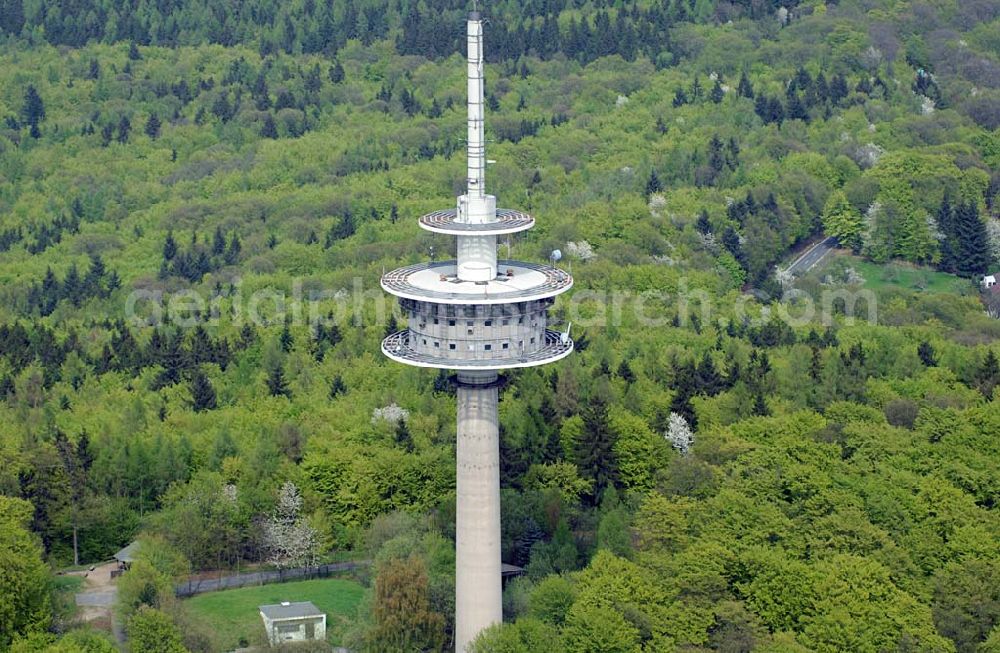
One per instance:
(988,376)
(50,293)
(286,340)
(973,244)
(731,241)
(838,89)
(653,184)
(796,109)
(6,387)
(816,363)
(172,358)
(337,387)
(927,354)
(72,286)
(285,100)
(760,408)
(34,109)
(707,379)
(402,435)
(93,281)
(716,95)
(703,225)
(744,88)
(949,243)
(218,242)
(716,157)
(233,250)
(625,372)
(276,383)
(222,109)
(696,90)
(314,80)
(248,336)
(202,393)
(761,107)
(124,128)
(269,129)
(153,126)
(169,247)
(595,454)
(336,73)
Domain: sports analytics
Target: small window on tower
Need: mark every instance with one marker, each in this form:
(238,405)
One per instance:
(487,347)
(425,341)
(489,322)
(470,332)
(451,345)
(437,344)
(505,323)
(506,345)
(435,320)
(532,341)
(450,323)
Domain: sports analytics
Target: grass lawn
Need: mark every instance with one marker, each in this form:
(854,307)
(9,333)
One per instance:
(233,614)
(879,276)
(67,583)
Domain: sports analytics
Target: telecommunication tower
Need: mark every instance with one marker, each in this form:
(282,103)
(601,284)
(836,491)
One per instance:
(477,315)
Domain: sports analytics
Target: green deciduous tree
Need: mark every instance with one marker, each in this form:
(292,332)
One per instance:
(153,631)
(401,612)
(842,221)
(24,589)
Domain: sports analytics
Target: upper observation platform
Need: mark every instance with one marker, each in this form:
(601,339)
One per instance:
(447,221)
(554,346)
(438,282)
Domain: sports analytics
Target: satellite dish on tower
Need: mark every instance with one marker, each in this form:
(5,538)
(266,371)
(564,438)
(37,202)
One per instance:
(564,337)
(556,255)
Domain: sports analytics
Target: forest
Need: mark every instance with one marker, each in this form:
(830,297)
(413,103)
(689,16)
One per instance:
(197,201)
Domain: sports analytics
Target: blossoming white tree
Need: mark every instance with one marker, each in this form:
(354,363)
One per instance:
(393,413)
(289,539)
(679,434)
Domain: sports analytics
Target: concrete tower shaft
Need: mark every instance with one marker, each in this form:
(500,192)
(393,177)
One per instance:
(478,602)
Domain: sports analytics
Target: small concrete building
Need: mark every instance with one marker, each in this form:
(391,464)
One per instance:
(989,281)
(293,622)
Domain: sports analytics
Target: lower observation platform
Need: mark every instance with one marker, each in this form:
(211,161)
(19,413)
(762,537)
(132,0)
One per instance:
(508,221)
(397,347)
(516,281)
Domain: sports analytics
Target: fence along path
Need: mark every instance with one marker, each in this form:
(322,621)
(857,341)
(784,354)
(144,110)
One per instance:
(192,587)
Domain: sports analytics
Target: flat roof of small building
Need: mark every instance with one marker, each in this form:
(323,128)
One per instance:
(128,553)
(289,610)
